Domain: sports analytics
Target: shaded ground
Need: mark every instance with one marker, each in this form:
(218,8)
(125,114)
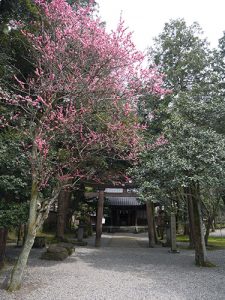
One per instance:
(123,268)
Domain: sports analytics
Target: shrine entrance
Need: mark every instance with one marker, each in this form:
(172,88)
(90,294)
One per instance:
(124,212)
(123,216)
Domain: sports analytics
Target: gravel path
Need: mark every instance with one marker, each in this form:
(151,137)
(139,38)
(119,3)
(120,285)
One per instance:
(123,268)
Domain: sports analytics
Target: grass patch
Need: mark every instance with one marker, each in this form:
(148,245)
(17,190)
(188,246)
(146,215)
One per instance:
(51,238)
(182,238)
(214,242)
(207,264)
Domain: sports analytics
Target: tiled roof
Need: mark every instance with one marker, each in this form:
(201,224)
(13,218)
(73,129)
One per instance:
(123,201)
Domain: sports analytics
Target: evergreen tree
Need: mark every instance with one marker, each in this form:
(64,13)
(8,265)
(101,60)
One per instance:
(187,152)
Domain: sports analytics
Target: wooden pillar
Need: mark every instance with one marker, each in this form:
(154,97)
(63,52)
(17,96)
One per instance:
(99,218)
(111,216)
(135,220)
(150,219)
(129,218)
(117,217)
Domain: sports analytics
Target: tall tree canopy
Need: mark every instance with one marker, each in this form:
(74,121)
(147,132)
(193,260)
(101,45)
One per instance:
(192,156)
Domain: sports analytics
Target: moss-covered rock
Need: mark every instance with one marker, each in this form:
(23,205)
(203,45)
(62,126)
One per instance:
(58,256)
(68,246)
(56,249)
(55,252)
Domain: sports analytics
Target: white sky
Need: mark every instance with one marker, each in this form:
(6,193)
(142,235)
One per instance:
(146,18)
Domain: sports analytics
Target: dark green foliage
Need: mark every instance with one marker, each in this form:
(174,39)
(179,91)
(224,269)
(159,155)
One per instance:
(80,2)
(15,52)
(14,167)
(189,118)
(13,214)
(18,10)
(180,54)
(14,180)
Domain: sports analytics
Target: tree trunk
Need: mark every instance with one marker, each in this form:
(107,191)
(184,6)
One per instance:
(37,215)
(20,236)
(24,233)
(61,215)
(150,220)
(18,270)
(211,220)
(186,230)
(191,219)
(38,212)
(62,211)
(3,239)
(155,230)
(200,249)
(99,218)
(213,224)
(208,226)
(68,211)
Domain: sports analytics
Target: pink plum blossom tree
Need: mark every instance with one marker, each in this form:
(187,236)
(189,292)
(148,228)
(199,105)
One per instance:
(80,101)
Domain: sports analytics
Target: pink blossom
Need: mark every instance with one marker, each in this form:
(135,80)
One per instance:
(83,95)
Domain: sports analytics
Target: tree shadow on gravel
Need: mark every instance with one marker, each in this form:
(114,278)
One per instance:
(144,260)
(34,259)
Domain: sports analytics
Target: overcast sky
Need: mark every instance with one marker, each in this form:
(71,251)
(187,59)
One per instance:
(146,17)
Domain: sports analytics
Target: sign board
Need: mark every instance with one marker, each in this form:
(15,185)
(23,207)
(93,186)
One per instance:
(114,190)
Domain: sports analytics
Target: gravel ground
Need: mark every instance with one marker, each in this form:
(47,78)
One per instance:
(123,268)
(218,233)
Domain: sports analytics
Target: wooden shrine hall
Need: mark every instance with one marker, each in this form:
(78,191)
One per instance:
(122,210)
(125,210)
